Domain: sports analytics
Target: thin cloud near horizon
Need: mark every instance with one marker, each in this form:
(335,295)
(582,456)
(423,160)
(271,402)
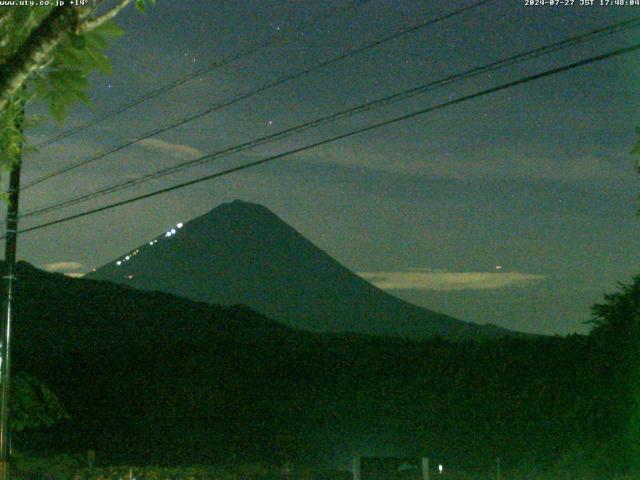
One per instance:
(443,281)
(65,266)
(68,268)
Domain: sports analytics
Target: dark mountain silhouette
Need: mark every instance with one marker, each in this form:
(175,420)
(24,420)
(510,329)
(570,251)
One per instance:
(147,376)
(242,253)
(151,378)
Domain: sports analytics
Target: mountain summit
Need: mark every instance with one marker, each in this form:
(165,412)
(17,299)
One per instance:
(242,253)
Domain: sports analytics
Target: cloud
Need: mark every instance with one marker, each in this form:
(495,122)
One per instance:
(449,281)
(66,268)
(75,275)
(170,148)
(481,163)
(62,266)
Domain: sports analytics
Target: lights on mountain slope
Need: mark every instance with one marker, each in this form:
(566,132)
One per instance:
(173,231)
(167,234)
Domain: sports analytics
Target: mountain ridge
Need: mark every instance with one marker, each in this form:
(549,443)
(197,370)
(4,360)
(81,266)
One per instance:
(148,377)
(243,253)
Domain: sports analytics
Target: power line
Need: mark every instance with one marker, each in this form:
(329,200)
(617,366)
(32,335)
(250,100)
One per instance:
(352,133)
(358,109)
(347,54)
(403,95)
(276,39)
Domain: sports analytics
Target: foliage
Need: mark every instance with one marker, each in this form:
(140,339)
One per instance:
(56,467)
(33,404)
(160,379)
(53,66)
(616,346)
(241,472)
(60,83)
(11,130)
(66,467)
(17,24)
(247,388)
(65,80)
(619,315)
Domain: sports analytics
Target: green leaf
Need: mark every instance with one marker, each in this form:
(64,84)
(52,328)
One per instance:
(108,29)
(140,5)
(63,81)
(78,41)
(94,40)
(100,61)
(33,404)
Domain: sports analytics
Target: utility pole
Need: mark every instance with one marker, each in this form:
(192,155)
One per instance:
(11,238)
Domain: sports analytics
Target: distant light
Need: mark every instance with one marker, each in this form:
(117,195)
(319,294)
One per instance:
(150,243)
(128,257)
(173,231)
(119,262)
(168,234)
(440,468)
(130,276)
(179,225)
(498,267)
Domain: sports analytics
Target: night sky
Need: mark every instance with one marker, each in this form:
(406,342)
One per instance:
(517,208)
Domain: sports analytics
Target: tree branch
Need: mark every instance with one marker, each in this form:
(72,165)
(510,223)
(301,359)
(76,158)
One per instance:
(35,51)
(94,22)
